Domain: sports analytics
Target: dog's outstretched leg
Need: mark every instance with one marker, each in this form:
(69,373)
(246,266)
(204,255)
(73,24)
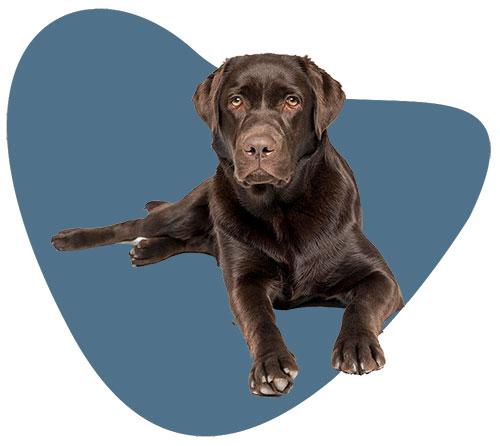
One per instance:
(169,229)
(82,238)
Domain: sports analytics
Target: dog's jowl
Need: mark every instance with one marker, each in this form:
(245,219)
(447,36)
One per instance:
(281,215)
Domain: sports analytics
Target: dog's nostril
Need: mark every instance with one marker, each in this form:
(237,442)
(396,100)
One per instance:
(263,151)
(250,150)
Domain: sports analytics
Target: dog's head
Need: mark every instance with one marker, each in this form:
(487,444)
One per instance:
(266,112)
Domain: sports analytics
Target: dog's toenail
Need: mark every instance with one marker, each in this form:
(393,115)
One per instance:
(280,383)
(266,390)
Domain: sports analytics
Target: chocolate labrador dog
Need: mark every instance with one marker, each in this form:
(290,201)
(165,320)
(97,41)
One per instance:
(281,215)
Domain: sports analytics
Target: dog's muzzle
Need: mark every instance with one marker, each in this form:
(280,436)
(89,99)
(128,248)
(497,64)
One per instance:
(260,158)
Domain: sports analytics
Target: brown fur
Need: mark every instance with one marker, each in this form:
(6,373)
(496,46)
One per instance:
(281,215)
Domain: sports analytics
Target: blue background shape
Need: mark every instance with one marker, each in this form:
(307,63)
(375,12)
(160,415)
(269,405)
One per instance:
(100,121)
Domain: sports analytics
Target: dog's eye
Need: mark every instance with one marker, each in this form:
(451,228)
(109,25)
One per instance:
(292,101)
(236,101)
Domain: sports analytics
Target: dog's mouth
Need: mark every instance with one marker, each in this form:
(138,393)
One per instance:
(261,177)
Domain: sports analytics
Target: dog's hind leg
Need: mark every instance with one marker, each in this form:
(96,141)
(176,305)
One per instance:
(175,228)
(150,205)
(169,229)
(82,238)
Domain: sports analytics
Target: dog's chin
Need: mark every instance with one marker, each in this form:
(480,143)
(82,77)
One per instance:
(261,181)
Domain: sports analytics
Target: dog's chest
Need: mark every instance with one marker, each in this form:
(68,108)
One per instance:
(304,256)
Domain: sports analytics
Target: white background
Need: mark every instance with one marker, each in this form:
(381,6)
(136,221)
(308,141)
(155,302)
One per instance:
(440,384)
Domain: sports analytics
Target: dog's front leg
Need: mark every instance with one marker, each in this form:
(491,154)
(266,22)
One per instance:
(368,304)
(248,275)
(274,367)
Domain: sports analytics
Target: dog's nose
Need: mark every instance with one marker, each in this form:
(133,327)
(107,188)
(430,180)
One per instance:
(259,146)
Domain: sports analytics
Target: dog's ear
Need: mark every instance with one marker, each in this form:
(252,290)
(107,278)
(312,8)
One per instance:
(206,97)
(328,93)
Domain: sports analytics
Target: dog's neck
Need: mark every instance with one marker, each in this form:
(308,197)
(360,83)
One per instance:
(264,200)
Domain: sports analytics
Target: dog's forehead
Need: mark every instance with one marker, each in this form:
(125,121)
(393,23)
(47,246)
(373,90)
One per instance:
(265,70)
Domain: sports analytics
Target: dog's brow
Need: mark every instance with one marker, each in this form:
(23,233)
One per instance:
(285,88)
(248,90)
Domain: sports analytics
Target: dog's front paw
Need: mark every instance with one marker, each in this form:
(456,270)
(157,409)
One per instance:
(358,353)
(70,239)
(272,374)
